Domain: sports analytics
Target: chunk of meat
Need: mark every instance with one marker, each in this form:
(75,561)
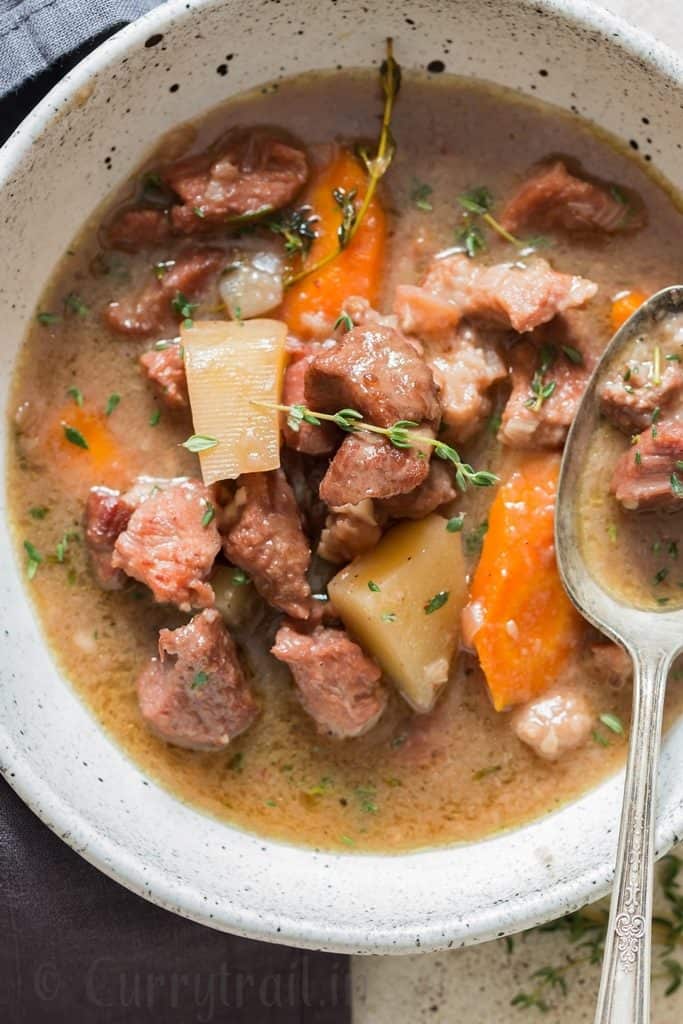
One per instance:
(195,694)
(528,422)
(267,541)
(151,310)
(553,198)
(629,399)
(611,664)
(167,546)
(309,439)
(375,371)
(138,228)
(649,475)
(338,685)
(165,369)
(520,295)
(465,369)
(554,724)
(367,466)
(349,531)
(246,172)
(107,514)
(437,490)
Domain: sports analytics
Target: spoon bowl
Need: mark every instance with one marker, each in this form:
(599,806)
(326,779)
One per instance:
(653,639)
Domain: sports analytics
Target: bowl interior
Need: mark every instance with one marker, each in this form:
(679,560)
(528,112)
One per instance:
(84,139)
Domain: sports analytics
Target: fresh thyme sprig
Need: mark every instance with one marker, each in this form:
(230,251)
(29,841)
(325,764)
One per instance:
(541,390)
(401,434)
(297,229)
(586,931)
(478,202)
(376,167)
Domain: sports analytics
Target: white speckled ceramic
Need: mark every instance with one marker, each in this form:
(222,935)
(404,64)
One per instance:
(88,135)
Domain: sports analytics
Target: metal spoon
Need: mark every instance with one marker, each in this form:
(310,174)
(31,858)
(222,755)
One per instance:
(653,639)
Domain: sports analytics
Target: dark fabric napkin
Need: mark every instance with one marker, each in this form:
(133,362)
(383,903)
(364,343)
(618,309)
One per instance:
(75,947)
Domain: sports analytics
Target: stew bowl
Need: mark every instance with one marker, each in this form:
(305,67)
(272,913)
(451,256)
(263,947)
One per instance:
(85,138)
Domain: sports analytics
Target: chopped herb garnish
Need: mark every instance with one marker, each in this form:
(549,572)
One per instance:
(419,195)
(240,578)
(612,532)
(347,840)
(388,616)
(455,524)
(76,394)
(48,319)
(154,418)
(494,423)
(673,358)
(673,549)
(198,212)
(236,762)
(374,587)
(572,354)
(112,403)
(74,304)
(366,796)
(612,722)
(638,458)
(200,679)
(343,320)
(400,435)
(656,414)
(663,600)
(676,485)
(436,602)
(478,202)
(474,539)
(209,515)
(34,559)
(485,772)
(183,308)
(38,511)
(661,575)
(161,268)
(74,436)
(200,443)
(471,238)
(599,738)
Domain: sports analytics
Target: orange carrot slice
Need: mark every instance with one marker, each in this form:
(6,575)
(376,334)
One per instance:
(624,305)
(528,626)
(312,305)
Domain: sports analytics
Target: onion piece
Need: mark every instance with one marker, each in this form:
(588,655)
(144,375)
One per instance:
(252,285)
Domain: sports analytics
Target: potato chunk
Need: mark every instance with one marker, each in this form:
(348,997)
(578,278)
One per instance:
(402,601)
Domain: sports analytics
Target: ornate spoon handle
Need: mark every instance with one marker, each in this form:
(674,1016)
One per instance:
(625,985)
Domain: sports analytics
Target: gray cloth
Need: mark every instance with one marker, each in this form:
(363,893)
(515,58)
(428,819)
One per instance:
(36,33)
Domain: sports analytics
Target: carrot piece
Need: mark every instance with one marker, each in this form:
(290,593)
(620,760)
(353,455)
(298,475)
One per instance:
(312,305)
(624,306)
(102,461)
(528,626)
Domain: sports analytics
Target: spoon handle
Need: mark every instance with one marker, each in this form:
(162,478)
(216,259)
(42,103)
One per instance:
(625,984)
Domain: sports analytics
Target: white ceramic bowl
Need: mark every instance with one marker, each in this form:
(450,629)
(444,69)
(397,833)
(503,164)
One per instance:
(88,135)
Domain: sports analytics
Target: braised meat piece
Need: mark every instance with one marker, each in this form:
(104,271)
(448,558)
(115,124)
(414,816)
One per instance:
(107,514)
(649,475)
(630,399)
(246,172)
(165,370)
(151,310)
(554,724)
(169,546)
(338,685)
(437,490)
(553,198)
(349,531)
(374,370)
(308,439)
(533,421)
(465,368)
(138,228)
(368,466)
(265,538)
(195,694)
(520,295)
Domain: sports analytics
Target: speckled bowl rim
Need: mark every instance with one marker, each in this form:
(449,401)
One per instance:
(522,910)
